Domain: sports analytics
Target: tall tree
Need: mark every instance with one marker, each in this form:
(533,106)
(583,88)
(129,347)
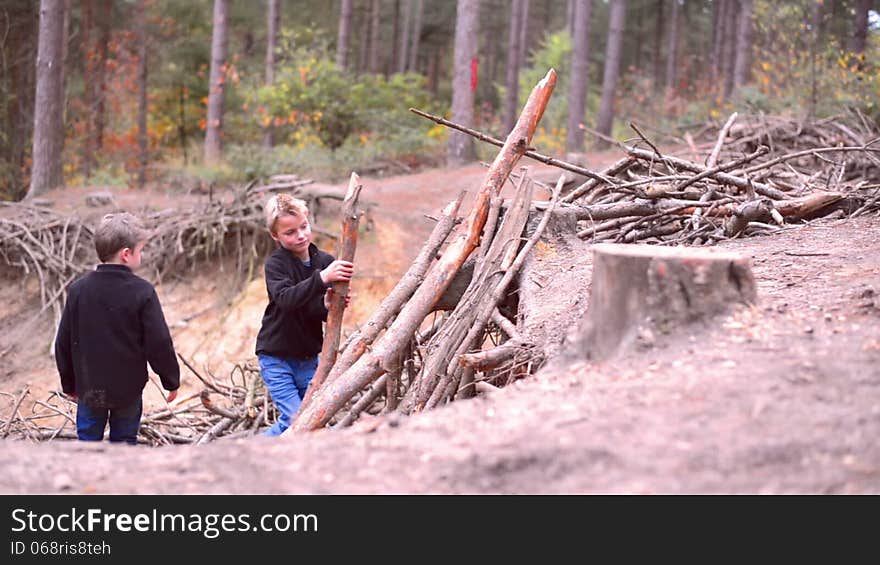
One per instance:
(729,51)
(860,26)
(461,146)
(580,71)
(403,46)
(104,20)
(524,32)
(511,102)
(216,84)
(416,36)
(658,42)
(142,93)
(612,67)
(89,84)
(743,45)
(672,48)
(344,36)
(48,119)
(375,36)
(719,8)
(273,24)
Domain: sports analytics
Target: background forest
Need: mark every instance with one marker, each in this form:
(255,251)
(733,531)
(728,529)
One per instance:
(223,91)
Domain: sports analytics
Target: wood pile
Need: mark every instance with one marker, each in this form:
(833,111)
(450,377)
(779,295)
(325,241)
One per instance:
(236,407)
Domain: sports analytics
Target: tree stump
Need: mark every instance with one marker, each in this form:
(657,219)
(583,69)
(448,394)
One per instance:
(640,290)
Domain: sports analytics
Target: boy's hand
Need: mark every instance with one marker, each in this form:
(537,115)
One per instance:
(171,396)
(338,271)
(328,297)
(72,396)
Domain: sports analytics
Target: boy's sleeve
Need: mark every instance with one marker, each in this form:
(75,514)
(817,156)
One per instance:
(287,294)
(158,345)
(64,353)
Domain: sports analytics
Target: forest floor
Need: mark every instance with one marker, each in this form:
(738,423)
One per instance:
(780,397)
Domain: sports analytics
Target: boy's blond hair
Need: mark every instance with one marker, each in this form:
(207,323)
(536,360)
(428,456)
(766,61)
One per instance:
(284,205)
(116,232)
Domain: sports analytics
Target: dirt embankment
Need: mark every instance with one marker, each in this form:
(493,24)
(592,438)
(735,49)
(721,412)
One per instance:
(782,397)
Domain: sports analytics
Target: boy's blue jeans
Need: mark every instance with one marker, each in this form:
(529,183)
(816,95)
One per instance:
(287,381)
(124,422)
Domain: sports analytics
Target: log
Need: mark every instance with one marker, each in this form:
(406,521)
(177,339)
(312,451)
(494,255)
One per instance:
(643,290)
(333,328)
(370,366)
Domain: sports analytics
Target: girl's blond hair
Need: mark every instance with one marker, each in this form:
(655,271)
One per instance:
(284,205)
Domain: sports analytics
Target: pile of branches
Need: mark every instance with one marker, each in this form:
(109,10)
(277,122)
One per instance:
(236,407)
(757,177)
(60,248)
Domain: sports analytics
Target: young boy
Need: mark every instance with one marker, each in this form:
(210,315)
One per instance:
(112,326)
(298,278)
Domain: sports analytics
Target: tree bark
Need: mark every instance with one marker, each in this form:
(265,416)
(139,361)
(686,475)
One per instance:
(860,27)
(523,33)
(372,364)
(719,8)
(375,38)
(511,95)
(105,16)
(461,148)
(658,44)
(743,46)
(217,84)
(416,36)
(672,48)
(343,37)
(639,291)
(612,68)
(403,45)
(88,9)
(729,51)
(48,126)
(273,25)
(580,74)
(142,93)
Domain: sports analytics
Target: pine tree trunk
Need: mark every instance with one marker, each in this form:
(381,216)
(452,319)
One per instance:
(524,33)
(142,93)
(511,96)
(860,27)
(105,15)
(403,46)
(743,46)
(344,35)
(375,38)
(461,146)
(672,48)
(580,71)
(719,8)
(273,26)
(214,127)
(658,44)
(612,67)
(48,127)
(89,86)
(416,36)
(729,57)
(22,43)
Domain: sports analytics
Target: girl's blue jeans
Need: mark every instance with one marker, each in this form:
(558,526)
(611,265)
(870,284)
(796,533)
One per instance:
(287,381)
(124,422)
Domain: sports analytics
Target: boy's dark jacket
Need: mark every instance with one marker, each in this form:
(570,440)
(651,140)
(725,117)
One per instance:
(291,326)
(111,328)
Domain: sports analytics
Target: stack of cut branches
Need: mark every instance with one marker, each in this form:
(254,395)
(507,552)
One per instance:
(416,364)
(238,407)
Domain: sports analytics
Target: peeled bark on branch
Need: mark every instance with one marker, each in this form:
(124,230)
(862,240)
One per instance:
(370,366)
